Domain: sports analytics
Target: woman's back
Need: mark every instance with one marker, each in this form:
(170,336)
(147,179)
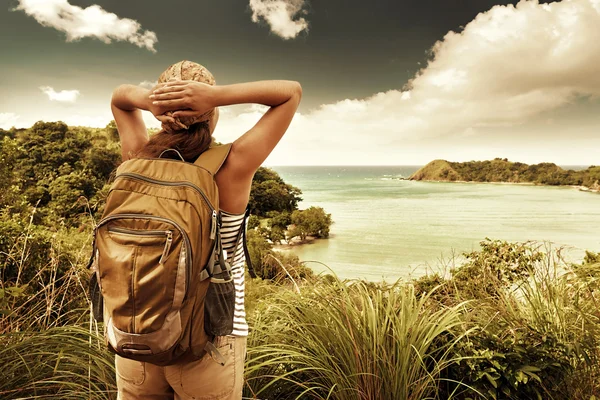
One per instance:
(186,102)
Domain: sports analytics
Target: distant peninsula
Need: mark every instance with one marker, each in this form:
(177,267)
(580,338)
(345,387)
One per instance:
(501,170)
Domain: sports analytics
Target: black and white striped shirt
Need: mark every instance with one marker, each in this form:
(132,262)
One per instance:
(230,232)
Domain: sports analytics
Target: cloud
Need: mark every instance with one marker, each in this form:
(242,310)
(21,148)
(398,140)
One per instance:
(148,84)
(508,67)
(92,21)
(95,121)
(64,96)
(8,120)
(283,16)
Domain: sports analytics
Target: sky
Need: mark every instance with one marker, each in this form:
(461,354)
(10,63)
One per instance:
(385,82)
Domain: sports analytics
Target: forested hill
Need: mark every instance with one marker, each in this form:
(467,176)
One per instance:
(64,174)
(502,170)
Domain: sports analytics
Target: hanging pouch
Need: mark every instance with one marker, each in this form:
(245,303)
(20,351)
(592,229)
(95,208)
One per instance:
(219,305)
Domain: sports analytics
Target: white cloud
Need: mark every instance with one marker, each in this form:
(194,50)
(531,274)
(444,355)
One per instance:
(506,68)
(283,16)
(8,120)
(64,96)
(101,119)
(92,121)
(92,21)
(148,84)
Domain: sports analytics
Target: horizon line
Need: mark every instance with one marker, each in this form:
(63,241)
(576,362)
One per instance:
(408,165)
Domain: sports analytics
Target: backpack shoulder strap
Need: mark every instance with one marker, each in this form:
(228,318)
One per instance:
(245,245)
(213,158)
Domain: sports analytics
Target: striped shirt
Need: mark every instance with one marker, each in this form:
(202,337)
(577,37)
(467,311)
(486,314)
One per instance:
(230,235)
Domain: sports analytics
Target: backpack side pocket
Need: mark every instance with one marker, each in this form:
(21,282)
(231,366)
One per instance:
(96,294)
(219,305)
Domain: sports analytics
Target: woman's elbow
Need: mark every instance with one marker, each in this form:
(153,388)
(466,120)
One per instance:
(116,94)
(297,89)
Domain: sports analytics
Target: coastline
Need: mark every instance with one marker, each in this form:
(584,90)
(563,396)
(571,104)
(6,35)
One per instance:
(578,187)
(586,189)
(295,242)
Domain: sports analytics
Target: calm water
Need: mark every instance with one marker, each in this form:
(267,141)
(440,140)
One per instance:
(388,228)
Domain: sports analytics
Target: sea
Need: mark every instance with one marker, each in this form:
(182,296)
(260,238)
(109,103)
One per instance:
(387,228)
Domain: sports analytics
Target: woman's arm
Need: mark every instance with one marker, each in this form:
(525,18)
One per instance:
(127,101)
(252,148)
(126,104)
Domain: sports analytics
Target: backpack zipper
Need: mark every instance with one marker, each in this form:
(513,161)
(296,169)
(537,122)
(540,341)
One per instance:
(188,254)
(132,175)
(213,227)
(167,183)
(134,232)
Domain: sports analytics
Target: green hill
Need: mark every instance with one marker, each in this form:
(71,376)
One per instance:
(502,170)
(437,170)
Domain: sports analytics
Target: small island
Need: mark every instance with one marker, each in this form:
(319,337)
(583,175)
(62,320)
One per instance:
(500,170)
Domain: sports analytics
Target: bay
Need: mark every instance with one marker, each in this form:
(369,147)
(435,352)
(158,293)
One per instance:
(388,228)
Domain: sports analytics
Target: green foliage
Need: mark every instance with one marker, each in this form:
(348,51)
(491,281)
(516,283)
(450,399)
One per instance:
(313,221)
(272,265)
(253,222)
(591,258)
(514,321)
(348,341)
(497,265)
(279,219)
(56,169)
(58,363)
(258,248)
(502,170)
(275,226)
(30,252)
(112,131)
(270,193)
(534,324)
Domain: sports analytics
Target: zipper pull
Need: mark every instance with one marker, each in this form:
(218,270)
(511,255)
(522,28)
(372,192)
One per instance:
(213,228)
(167,247)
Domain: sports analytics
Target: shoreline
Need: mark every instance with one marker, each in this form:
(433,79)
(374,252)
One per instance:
(578,187)
(294,243)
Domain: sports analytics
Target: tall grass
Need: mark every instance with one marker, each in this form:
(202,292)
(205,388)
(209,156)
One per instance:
(350,341)
(510,323)
(537,333)
(49,345)
(57,363)
(559,307)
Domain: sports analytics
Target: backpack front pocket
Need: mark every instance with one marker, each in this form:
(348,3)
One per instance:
(143,272)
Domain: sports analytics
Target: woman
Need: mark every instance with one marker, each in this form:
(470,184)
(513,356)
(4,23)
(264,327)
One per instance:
(186,101)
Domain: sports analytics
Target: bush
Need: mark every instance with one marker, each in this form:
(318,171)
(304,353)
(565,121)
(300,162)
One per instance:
(272,265)
(58,363)
(536,325)
(56,169)
(310,222)
(348,341)
(270,193)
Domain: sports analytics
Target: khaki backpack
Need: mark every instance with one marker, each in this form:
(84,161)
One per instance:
(155,248)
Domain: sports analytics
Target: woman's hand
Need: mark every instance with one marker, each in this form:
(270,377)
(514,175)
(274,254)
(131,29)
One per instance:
(189,98)
(159,111)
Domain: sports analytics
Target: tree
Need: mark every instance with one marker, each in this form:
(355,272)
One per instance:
(253,222)
(50,166)
(102,162)
(279,219)
(313,221)
(270,193)
(112,131)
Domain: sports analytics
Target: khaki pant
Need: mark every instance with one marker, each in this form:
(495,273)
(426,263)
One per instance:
(202,379)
